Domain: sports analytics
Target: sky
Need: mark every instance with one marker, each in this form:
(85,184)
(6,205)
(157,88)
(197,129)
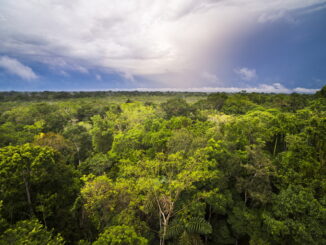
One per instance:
(182,45)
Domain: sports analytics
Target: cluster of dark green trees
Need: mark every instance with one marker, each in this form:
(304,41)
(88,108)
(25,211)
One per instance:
(243,168)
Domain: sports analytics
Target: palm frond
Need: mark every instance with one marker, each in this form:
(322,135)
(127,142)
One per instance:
(174,230)
(185,239)
(197,225)
(190,239)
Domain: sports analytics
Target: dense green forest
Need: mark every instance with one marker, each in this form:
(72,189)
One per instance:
(162,168)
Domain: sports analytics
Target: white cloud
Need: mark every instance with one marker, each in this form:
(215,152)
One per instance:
(209,78)
(276,16)
(13,66)
(98,77)
(271,17)
(305,90)
(80,69)
(64,73)
(263,88)
(246,73)
(314,8)
(128,76)
(170,41)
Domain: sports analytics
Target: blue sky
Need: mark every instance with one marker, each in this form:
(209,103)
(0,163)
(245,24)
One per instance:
(202,45)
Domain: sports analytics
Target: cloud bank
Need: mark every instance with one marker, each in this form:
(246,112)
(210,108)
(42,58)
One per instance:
(263,88)
(13,66)
(169,42)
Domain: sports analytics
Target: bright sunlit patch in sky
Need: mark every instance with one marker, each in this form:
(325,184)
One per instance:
(182,44)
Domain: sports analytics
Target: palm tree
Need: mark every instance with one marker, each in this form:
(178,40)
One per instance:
(188,231)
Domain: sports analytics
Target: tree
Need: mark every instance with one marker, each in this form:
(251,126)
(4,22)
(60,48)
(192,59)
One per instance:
(244,168)
(57,142)
(102,134)
(80,140)
(98,164)
(30,232)
(35,182)
(216,100)
(103,199)
(22,167)
(321,93)
(164,180)
(236,104)
(176,107)
(189,231)
(255,180)
(297,217)
(120,235)
(3,222)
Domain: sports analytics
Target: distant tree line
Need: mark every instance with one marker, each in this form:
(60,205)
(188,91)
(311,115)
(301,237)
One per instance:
(58,95)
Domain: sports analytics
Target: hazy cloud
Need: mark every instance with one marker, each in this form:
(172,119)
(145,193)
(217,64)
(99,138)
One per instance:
(305,90)
(209,78)
(271,17)
(246,73)
(98,77)
(276,16)
(13,66)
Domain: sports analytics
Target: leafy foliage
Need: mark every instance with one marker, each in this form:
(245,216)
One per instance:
(162,168)
(29,232)
(120,235)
